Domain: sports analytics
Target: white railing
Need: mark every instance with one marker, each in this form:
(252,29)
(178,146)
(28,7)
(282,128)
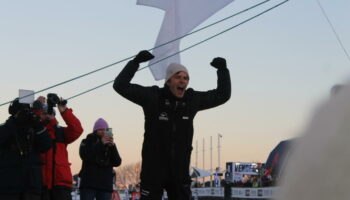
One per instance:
(253,193)
(208,192)
(197,193)
(247,193)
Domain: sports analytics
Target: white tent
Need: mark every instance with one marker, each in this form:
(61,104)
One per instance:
(199,173)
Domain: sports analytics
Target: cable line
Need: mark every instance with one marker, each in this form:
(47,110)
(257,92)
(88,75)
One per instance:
(90,90)
(125,59)
(243,22)
(333,29)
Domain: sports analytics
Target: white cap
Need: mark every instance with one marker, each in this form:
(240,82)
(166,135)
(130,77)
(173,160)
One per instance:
(174,68)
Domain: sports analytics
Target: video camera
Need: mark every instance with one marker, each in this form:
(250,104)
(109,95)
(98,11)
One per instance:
(16,106)
(24,115)
(52,101)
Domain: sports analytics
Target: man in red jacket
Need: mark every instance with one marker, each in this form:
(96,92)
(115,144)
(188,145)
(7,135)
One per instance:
(56,172)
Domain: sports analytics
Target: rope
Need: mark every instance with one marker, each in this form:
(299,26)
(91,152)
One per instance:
(333,29)
(125,59)
(196,44)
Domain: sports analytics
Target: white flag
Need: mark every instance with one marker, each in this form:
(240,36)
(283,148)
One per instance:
(181,17)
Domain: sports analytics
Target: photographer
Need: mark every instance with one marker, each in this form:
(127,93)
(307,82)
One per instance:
(99,154)
(57,175)
(22,138)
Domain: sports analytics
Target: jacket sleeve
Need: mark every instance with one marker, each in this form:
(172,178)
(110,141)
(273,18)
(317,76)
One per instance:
(218,96)
(73,129)
(115,157)
(42,142)
(133,92)
(5,135)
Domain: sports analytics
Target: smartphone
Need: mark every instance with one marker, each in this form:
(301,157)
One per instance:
(109,132)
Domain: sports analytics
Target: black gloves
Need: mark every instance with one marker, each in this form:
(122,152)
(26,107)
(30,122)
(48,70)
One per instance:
(143,56)
(218,63)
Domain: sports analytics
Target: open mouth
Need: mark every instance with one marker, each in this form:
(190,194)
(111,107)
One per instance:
(181,89)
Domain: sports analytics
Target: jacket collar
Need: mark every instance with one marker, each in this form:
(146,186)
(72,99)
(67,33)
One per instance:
(168,94)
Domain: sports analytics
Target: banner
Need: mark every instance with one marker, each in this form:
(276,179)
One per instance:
(236,170)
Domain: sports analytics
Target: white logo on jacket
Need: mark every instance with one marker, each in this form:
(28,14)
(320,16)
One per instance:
(163,116)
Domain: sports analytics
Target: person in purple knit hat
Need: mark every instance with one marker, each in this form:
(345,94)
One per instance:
(99,154)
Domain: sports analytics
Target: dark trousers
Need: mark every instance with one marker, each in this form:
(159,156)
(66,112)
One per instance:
(60,193)
(89,194)
(22,196)
(175,191)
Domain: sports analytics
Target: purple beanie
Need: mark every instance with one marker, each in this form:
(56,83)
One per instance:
(100,124)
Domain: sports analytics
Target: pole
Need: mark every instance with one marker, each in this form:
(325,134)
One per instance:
(196,164)
(203,162)
(218,171)
(219,136)
(196,159)
(211,160)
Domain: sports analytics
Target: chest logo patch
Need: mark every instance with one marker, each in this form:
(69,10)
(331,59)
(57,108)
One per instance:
(163,116)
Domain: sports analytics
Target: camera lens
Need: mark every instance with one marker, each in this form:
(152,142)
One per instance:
(52,98)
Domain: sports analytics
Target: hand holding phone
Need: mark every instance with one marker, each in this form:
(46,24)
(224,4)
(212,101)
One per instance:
(109,132)
(108,137)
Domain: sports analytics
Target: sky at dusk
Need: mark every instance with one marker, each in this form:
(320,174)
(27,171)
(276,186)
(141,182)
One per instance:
(282,66)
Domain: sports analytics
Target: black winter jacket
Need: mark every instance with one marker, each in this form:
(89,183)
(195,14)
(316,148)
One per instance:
(98,162)
(20,165)
(167,145)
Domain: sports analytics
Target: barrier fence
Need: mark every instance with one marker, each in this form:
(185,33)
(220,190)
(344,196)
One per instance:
(246,193)
(219,193)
